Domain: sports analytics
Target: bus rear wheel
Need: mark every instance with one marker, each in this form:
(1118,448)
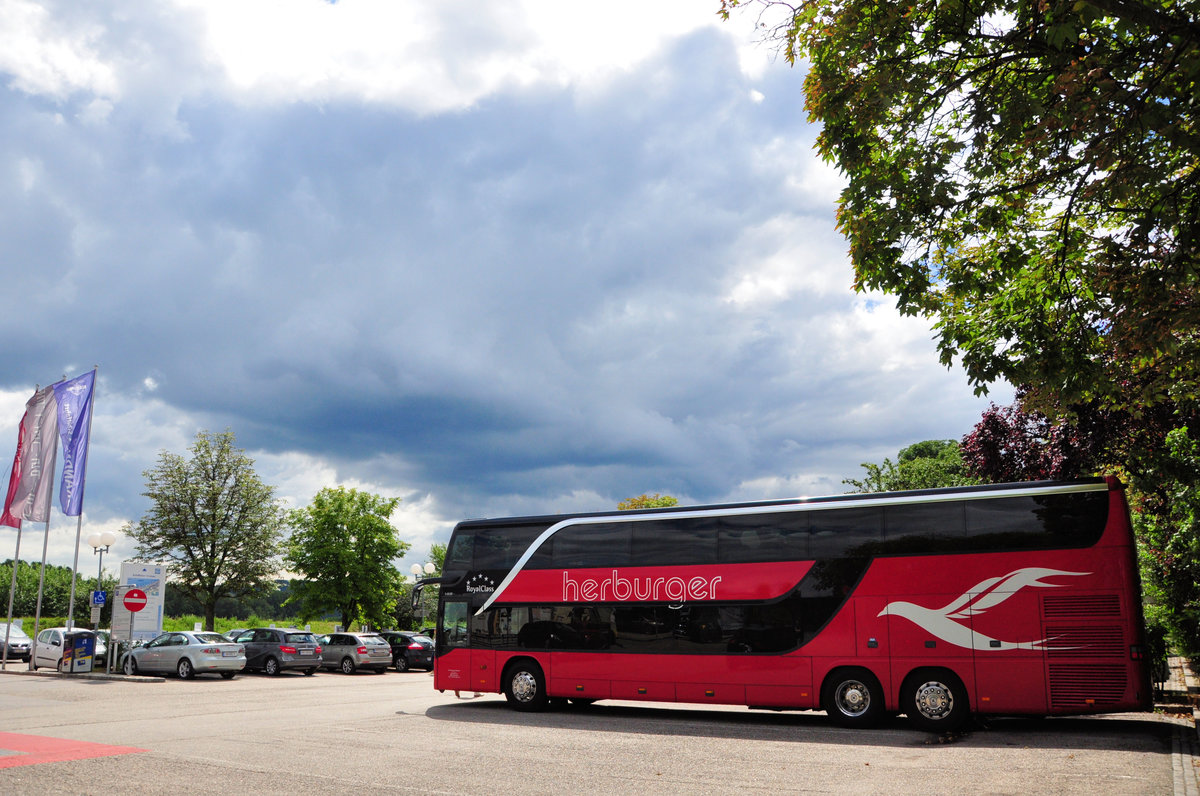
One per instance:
(853,698)
(525,686)
(934,700)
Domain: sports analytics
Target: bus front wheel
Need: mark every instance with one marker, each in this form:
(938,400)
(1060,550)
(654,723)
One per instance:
(525,686)
(853,698)
(934,700)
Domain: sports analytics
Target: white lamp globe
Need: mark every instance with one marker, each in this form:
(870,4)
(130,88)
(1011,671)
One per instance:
(94,540)
(108,538)
(415,569)
(430,568)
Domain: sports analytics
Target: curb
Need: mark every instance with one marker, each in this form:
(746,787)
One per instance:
(1185,744)
(84,676)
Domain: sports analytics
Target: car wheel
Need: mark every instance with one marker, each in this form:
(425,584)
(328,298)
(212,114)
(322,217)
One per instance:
(525,686)
(271,667)
(401,663)
(184,669)
(228,675)
(935,700)
(348,666)
(130,668)
(309,672)
(853,698)
(59,667)
(380,670)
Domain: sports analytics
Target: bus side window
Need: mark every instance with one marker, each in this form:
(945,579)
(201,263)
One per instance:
(666,542)
(924,526)
(499,548)
(846,532)
(603,545)
(754,538)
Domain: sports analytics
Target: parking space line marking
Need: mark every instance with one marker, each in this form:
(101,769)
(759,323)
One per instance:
(28,750)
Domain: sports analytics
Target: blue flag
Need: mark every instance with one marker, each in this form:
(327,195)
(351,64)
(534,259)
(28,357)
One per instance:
(74,398)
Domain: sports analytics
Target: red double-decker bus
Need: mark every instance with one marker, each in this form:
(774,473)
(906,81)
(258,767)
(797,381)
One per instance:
(999,599)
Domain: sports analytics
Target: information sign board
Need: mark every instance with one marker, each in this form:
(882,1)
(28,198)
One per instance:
(139,618)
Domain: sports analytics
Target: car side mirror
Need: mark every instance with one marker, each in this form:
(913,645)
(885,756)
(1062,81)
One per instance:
(56,643)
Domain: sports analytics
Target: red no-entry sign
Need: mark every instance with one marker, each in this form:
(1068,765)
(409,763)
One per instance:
(134,600)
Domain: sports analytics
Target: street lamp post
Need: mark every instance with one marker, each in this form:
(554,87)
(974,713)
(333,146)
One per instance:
(417,570)
(100,543)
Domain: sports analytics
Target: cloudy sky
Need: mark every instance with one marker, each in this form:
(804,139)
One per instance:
(497,258)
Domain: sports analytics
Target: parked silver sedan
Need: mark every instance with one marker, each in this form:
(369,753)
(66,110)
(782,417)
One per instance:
(187,654)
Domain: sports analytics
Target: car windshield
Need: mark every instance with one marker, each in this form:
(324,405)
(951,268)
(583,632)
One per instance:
(301,638)
(375,641)
(422,639)
(211,638)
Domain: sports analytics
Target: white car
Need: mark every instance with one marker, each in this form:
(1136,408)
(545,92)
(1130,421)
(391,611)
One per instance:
(187,654)
(48,651)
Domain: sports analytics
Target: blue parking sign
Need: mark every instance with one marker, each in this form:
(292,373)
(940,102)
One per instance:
(98,598)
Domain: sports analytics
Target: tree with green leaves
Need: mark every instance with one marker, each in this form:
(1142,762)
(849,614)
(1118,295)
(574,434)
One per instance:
(344,547)
(922,465)
(213,521)
(644,501)
(56,591)
(437,555)
(1026,174)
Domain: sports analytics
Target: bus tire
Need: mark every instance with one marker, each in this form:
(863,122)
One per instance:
(935,700)
(525,686)
(852,697)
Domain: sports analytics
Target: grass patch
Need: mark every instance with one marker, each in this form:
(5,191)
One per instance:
(224,625)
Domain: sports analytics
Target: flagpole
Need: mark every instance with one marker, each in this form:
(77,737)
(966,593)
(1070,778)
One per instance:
(79,517)
(74,573)
(12,590)
(37,616)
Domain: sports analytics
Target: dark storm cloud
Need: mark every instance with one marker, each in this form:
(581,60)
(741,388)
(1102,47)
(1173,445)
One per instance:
(502,306)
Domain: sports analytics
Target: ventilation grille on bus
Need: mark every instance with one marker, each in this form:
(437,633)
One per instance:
(1086,606)
(1085,686)
(1084,642)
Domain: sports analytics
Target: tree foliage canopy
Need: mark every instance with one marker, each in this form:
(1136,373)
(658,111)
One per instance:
(644,501)
(922,465)
(344,546)
(213,521)
(1025,173)
(56,592)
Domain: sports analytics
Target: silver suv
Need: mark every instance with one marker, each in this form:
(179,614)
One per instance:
(274,649)
(352,651)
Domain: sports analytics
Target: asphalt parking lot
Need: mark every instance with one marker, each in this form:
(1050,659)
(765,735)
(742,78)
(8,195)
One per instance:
(334,733)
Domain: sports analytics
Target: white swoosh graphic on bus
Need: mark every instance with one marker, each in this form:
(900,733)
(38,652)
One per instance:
(943,622)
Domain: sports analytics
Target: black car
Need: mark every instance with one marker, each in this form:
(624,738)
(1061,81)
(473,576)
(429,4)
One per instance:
(410,650)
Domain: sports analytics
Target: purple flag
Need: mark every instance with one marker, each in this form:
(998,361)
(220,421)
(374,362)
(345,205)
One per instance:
(74,421)
(29,497)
